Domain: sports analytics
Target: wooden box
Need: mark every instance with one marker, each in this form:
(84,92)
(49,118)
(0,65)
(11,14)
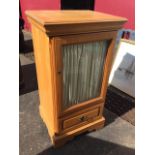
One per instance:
(73,54)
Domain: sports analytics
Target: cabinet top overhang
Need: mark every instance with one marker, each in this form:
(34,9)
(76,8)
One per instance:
(74,20)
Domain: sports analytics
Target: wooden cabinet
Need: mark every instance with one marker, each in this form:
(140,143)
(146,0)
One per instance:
(73,54)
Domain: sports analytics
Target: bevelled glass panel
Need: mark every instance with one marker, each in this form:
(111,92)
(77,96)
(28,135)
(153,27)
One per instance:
(82,71)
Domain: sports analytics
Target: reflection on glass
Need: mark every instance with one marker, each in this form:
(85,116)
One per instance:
(82,71)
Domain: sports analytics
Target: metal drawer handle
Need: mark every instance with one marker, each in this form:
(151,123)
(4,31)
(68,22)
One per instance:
(59,72)
(82,118)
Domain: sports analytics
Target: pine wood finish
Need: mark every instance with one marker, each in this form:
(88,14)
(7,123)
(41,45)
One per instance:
(50,31)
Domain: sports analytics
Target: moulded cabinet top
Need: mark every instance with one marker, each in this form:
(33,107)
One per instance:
(47,18)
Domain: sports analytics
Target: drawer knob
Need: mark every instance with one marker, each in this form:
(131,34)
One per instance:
(59,72)
(82,118)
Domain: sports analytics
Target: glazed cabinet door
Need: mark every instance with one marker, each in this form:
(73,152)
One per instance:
(82,67)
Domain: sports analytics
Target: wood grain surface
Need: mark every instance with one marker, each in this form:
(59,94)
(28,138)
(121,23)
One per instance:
(51,30)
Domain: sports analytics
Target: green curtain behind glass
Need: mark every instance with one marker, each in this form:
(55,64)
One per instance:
(82,71)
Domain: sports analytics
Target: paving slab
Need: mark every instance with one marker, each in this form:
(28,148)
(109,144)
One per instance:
(119,131)
(24,60)
(27,35)
(116,138)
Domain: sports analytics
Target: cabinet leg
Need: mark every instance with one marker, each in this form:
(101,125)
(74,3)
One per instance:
(59,140)
(96,128)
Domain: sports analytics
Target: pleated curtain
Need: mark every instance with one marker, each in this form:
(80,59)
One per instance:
(82,71)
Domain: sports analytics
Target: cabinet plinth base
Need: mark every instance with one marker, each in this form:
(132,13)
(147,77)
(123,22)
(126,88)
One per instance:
(60,140)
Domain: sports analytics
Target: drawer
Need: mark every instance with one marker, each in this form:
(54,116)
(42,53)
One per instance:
(85,117)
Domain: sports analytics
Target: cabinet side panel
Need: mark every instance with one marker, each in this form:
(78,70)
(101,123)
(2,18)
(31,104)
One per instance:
(107,69)
(43,67)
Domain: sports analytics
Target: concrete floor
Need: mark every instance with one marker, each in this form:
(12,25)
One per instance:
(116,138)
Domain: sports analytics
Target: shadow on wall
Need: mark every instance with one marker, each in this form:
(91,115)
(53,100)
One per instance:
(87,145)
